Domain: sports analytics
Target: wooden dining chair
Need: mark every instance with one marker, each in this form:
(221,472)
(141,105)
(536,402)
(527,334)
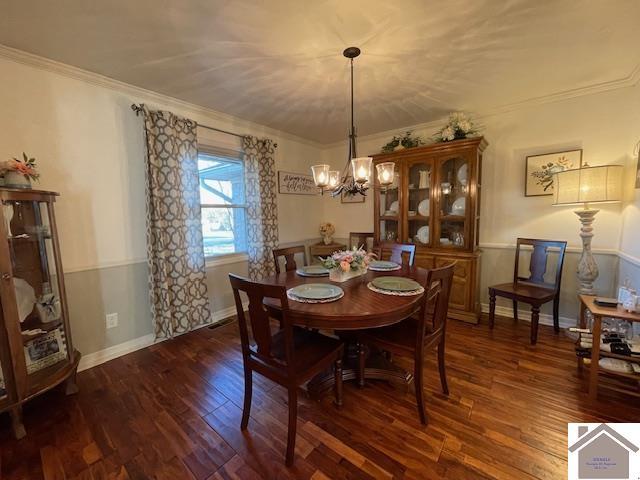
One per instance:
(361,239)
(532,289)
(401,253)
(417,334)
(289,357)
(289,254)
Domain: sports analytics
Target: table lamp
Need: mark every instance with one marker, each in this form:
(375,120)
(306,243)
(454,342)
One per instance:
(587,185)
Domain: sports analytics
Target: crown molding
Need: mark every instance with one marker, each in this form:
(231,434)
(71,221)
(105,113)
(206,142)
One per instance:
(630,80)
(29,59)
(148,96)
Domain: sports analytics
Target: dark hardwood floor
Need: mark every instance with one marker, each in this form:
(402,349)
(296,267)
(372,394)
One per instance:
(172,411)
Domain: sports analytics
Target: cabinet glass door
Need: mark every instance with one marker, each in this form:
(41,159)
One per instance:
(419,203)
(390,209)
(453,202)
(35,281)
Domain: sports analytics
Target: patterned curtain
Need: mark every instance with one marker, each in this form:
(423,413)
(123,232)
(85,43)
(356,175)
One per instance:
(262,212)
(179,300)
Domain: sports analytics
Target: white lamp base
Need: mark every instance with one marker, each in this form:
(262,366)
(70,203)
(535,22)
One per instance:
(587,270)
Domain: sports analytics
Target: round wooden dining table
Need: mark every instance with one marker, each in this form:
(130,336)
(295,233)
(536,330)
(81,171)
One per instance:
(358,309)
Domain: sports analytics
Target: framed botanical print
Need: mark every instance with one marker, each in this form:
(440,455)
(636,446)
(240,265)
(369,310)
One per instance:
(539,170)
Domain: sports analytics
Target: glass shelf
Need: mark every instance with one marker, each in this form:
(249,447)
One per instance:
(36,283)
(453,201)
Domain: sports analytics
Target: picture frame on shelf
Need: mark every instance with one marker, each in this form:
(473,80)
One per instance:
(539,170)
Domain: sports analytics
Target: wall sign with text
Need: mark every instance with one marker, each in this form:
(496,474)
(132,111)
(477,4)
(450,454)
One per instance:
(296,183)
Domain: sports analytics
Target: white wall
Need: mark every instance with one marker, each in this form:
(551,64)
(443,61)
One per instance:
(605,125)
(89,147)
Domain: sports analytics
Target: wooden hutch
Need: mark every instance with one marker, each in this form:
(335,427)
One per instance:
(434,203)
(36,350)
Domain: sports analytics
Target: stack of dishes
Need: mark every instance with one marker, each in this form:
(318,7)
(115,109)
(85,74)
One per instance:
(313,271)
(383,266)
(396,286)
(315,293)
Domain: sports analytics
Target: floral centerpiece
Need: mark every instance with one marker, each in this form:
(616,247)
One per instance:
(347,264)
(399,142)
(18,173)
(327,230)
(458,126)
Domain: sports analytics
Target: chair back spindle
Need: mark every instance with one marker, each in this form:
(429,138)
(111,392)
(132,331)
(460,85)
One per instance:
(259,320)
(289,254)
(538,261)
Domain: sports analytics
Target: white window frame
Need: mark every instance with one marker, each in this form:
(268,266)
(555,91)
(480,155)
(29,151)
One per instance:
(231,155)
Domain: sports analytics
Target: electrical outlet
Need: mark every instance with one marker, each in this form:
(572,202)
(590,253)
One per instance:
(112,320)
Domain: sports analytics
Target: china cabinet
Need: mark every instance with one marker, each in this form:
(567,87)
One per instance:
(36,350)
(434,203)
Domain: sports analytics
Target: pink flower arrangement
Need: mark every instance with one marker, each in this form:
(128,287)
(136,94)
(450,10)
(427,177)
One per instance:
(26,167)
(348,260)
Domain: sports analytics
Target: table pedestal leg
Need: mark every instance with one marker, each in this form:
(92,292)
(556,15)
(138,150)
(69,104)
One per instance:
(377,367)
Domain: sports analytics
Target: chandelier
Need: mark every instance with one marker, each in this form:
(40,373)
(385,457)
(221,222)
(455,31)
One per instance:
(357,181)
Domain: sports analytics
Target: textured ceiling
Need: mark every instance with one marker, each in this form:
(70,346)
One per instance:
(279,62)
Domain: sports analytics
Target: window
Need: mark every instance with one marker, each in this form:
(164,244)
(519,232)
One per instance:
(223,204)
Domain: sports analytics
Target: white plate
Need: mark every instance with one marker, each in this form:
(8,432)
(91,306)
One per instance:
(423,207)
(423,234)
(458,206)
(316,291)
(394,207)
(445,241)
(462,174)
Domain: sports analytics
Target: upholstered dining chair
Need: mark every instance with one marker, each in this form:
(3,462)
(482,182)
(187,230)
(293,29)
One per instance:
(361,239)
(401,253)
(289,357)
(289,254)
(417,334)
(533,289)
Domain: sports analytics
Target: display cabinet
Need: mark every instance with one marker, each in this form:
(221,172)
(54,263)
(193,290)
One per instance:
(434,203)
(36,349)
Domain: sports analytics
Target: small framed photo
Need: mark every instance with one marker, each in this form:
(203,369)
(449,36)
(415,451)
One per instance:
(347,198)
(539,170)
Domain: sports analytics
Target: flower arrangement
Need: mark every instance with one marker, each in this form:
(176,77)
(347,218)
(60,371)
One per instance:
(405,141)
(25,167)
(354,260)
(327,230)
(458,126)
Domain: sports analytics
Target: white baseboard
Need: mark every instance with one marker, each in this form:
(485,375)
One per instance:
(109,353)
(101,356)
(545,319)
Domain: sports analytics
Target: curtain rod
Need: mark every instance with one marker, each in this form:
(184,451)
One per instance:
(138,109)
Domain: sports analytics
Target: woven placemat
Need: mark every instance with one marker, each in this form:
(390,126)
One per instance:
(395,294)
(295,298)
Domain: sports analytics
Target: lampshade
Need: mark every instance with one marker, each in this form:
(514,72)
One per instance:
(386,172)
(361,169)
(334,178)
(320,175)
(588,185)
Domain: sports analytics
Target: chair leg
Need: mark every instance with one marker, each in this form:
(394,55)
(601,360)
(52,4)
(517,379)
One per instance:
(556,313)
(515,310)
(337,384)
(492,307)
(535,317)
(293,419)
(16,422)
(361,362)
(417,374)
(248,390)
(441,367)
